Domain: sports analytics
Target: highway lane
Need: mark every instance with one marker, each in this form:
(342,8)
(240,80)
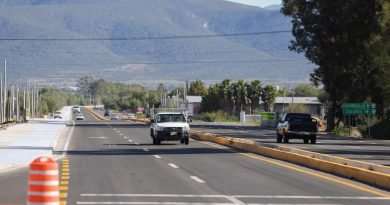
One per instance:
(116,163)
(374,151)
(113,162)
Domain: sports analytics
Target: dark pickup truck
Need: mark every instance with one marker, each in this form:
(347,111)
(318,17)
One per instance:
(297,126)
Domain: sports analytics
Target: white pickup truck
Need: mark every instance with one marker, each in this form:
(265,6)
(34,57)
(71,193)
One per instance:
(169,126)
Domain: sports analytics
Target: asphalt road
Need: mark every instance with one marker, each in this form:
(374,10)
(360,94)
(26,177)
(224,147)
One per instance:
(373,151)
(114,162)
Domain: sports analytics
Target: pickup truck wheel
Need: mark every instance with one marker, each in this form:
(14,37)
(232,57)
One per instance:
(285,139)
(151,133)
(154,141)
(158,141)
(279,138)
(187,141)
(182,141)
(313,139)
(305,140)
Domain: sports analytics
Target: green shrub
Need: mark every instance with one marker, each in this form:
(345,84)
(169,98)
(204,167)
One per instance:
(341,131)
(218,116)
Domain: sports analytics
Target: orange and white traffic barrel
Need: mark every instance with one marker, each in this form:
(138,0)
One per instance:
(43,182)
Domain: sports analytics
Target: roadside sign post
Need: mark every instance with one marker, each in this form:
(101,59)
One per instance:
(355,109)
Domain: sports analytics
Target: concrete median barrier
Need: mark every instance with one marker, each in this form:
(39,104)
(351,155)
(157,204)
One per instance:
(97,115)
(363,175)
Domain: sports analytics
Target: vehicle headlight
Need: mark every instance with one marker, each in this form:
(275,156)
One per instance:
(160,128)
(186,128)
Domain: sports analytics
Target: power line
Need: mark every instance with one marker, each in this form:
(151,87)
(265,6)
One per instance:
(147,38)
(157,63)
(146,52)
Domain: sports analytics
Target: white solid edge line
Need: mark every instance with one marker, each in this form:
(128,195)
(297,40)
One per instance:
(197,179)
(293,204)
(151,203)
(173,165)
(68,139)
(154,195)
(236,196)
(315,197)
(157,156)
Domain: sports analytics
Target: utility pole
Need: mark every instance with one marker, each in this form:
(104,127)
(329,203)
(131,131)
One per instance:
(5,90)
(17,103)
(37,103)
(1,99)
(32,102)
(24,106)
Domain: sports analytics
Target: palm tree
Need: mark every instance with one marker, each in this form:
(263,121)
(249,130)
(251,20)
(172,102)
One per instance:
(240,93)
(254,93)
(226,93)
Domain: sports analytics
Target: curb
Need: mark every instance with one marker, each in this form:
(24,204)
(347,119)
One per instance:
(370,177)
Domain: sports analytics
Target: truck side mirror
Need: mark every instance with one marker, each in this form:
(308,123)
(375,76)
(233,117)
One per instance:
(151,121)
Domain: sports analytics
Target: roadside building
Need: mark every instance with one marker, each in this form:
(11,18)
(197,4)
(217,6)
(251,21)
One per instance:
(313,104)
(193,104)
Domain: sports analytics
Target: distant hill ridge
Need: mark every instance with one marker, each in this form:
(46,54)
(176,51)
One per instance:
(147,61)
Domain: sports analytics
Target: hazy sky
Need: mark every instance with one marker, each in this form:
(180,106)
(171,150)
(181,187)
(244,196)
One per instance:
(260,3)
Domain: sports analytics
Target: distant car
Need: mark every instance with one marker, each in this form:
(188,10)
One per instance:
(79,117)
(106,114)
(114,117)
(76,109)
(58,115)
(131,116)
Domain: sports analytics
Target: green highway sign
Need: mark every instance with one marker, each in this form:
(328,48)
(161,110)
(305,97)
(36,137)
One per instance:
(359,108)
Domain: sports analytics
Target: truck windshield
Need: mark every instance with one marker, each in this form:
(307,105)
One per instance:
(297,116)
(171,118)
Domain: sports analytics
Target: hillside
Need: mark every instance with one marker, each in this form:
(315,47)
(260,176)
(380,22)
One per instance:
(149,60)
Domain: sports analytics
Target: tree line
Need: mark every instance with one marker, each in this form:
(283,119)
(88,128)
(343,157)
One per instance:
(349,42)
(117,96)
(235,96)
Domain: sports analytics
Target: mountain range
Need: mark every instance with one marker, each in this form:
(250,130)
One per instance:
(146,41)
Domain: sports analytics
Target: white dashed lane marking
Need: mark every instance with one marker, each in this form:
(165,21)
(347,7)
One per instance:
(146,150)
(157,156)
(173,165)
(97,137)
(197,179)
